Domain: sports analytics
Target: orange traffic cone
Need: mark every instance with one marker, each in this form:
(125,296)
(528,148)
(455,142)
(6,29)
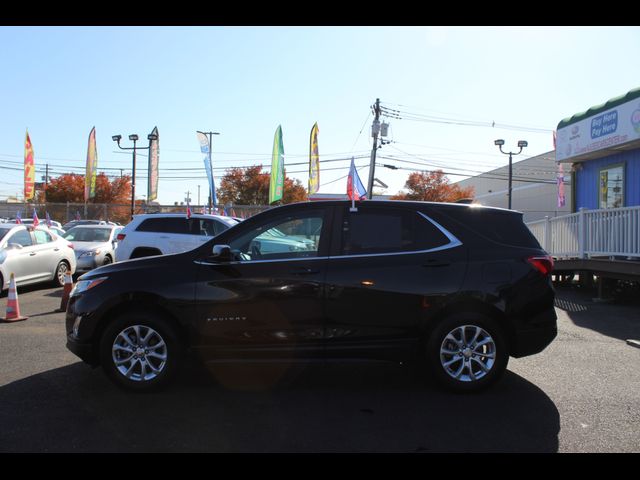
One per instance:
(68,286)
(13,308)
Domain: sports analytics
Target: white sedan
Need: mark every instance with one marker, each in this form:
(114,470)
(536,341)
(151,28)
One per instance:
(33,255)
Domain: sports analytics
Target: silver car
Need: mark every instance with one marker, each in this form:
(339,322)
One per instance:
(94,245)
(33,255)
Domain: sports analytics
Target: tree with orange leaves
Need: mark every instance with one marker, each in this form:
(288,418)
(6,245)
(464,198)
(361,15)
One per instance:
(432,186)
(249,186)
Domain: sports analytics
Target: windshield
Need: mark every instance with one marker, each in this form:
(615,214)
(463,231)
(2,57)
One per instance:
(77,234)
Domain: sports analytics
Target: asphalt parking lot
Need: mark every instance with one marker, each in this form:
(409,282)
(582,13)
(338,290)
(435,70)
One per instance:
(582,394)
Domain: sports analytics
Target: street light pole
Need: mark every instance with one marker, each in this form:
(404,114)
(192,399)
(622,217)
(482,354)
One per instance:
(134,139)
(521,144)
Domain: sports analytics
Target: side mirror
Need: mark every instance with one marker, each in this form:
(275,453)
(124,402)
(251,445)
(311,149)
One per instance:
(222,253)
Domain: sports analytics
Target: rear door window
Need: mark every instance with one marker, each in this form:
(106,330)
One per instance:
(388,230)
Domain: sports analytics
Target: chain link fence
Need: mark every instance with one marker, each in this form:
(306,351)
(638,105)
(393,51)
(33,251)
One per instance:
(119,213)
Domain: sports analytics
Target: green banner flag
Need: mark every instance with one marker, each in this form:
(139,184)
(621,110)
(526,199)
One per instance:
(276,185)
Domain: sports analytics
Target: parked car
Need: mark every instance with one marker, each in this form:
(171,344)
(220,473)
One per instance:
(75,223)
(455,288)
(33,255)
(162,233)
(94,245)
(29,221)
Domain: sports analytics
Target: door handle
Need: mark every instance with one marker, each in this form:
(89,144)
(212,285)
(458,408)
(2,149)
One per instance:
(304,271)
(436,263)
(32,254)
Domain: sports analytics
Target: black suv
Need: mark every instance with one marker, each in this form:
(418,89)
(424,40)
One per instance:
(456,288)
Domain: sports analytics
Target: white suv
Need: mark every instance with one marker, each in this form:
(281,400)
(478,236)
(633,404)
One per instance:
(162,233)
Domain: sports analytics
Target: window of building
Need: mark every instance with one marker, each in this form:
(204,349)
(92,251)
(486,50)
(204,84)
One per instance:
(611,187)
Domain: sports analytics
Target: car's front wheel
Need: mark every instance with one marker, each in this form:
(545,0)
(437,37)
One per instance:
(140,351)
(467,352)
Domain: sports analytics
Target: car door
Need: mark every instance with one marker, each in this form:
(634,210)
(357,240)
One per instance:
(48,254)
(21,258)
(390,265)
(266,304)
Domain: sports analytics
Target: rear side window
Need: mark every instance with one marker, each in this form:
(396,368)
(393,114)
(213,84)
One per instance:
(386,230)
(164,225)
(42,237)
(499,226)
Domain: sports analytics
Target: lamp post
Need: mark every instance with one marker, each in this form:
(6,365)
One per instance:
(134,139)
(521,144)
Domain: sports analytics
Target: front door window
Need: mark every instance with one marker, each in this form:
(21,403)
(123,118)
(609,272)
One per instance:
(285,238)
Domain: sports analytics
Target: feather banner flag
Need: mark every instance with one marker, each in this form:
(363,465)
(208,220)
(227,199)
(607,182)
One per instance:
(154,158)
(92,165)
(29,169)
(276,185)
(560,182)
(206,149)
(314,161)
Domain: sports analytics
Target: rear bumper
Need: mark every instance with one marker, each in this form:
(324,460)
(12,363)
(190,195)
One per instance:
(538,334)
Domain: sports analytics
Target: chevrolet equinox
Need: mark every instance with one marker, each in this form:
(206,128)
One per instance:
(456,288)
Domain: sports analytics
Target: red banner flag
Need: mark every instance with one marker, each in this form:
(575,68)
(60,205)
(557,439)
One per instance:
(29,170)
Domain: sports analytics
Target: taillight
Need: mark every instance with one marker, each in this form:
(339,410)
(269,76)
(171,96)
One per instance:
(542,263)
(121,236)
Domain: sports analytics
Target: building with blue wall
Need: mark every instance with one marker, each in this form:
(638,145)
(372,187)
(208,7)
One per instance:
(602,145)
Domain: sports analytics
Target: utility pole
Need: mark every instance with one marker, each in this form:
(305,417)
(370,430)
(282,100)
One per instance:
(375,130)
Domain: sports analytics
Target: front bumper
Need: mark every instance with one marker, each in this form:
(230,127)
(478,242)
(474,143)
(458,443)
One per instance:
(86,263)
(85,351)
(79,342)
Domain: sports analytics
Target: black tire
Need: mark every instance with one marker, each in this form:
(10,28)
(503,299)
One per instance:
(107,260)
(154,356)
(461,363)
(59,275)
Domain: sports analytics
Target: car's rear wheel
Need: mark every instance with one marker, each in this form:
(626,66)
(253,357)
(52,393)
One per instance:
(60,274)
(140,351)
(467,352)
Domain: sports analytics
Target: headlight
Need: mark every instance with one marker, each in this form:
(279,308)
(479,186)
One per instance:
(84,285)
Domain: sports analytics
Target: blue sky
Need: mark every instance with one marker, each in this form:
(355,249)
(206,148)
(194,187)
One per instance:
(243,82)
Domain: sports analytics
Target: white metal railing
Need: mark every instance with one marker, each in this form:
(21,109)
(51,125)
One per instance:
(607,233)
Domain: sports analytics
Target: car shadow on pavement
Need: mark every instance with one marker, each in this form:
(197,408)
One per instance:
(325,408)
(616,319)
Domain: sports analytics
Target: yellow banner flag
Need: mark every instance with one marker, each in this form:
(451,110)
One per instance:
(314,161)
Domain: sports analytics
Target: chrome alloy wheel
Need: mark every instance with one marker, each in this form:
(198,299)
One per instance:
(139,353)
(61,273)
(468,353)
